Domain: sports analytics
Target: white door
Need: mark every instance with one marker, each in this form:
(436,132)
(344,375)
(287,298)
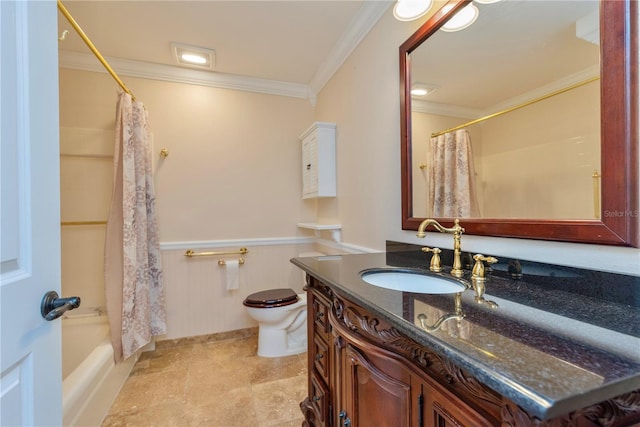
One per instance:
(30,355)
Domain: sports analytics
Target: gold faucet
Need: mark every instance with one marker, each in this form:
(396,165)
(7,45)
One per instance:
(478,278)
(457,314)
(457,231)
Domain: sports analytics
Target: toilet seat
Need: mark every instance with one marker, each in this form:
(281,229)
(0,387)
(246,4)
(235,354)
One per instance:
(271,298)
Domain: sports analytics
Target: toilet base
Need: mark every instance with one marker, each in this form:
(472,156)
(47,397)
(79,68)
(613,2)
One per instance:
(277,343)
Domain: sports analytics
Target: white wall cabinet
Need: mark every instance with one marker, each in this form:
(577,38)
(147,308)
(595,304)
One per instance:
(319,161)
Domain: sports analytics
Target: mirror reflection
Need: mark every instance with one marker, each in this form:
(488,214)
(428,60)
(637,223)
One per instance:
(509,126)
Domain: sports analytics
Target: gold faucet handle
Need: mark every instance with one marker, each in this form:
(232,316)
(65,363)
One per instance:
(435,265)
(478,268)
(457,227)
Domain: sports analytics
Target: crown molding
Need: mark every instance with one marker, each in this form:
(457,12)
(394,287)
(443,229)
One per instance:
(369,14)
(444,109)
(169,73)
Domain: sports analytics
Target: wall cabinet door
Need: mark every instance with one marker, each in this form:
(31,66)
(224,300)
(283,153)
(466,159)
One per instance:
(319,161)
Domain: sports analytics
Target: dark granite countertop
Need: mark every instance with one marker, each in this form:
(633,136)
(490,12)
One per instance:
(549,349)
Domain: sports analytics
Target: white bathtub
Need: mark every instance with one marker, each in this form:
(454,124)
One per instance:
(91,379)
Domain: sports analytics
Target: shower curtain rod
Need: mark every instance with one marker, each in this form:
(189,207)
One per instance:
(91,46)
(524,104)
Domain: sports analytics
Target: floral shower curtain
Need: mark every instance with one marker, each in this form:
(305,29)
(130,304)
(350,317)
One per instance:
(133,271)
(452,186)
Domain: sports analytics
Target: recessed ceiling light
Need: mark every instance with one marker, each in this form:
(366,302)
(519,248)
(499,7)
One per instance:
(422,89)
(462,19)
(192,56)
(408,10)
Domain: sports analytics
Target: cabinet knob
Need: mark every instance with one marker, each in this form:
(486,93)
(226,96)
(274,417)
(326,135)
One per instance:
(319,356)
(316,398)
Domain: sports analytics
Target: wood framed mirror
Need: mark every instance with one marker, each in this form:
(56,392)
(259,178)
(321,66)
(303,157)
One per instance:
(617,221)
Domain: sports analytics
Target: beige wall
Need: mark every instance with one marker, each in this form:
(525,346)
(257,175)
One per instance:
(234,165)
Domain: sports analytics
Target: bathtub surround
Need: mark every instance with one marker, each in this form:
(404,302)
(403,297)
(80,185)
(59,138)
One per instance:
(133,270)
(91,379)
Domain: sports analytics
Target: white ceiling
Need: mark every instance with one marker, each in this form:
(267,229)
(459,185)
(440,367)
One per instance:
(294,41)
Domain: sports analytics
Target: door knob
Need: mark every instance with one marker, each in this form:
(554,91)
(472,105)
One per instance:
(53,307)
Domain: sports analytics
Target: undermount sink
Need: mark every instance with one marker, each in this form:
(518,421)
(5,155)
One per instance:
(412,281)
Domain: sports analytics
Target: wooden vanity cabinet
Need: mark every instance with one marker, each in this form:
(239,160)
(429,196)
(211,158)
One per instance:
(354,381)
(364,373)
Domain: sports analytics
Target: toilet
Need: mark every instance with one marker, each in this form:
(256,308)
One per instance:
(282,321)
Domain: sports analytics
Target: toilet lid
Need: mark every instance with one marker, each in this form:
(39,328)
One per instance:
(272,298)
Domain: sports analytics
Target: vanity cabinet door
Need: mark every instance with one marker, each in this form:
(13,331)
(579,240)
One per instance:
(376,391)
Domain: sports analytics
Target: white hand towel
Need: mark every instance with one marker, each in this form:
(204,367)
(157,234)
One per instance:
(231,267)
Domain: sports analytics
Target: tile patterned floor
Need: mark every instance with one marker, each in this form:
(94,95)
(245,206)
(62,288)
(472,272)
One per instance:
(215,384)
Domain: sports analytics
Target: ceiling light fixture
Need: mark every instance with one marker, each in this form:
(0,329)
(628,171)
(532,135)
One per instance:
(408,10)
(422,89)
(462,19)
(193,59)
(197,57)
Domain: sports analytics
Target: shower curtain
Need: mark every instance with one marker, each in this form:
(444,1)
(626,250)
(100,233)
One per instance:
(133,271)
(452,186)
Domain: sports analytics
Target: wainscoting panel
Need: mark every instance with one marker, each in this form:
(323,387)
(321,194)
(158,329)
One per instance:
(198,302)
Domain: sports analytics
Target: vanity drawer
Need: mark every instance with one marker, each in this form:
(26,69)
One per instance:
(319,398)
(320,315)
(321,358)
